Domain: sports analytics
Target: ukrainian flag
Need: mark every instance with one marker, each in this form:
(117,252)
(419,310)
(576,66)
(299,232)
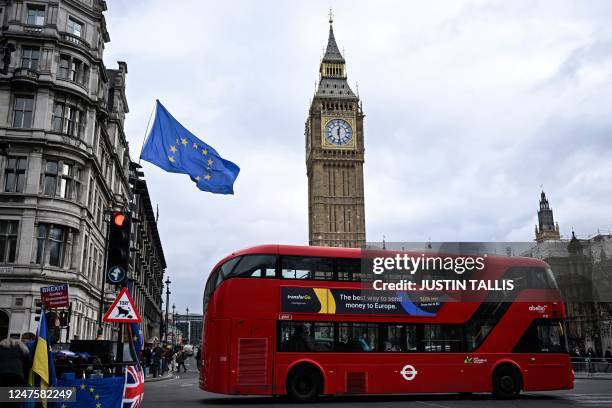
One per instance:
(42,373)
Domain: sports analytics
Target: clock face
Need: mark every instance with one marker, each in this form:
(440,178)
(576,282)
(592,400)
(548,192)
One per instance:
(338,132)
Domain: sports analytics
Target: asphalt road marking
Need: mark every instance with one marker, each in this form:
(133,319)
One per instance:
(592,399)
(431,404)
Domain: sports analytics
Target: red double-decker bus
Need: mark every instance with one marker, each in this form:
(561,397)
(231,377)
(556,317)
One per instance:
(296,321)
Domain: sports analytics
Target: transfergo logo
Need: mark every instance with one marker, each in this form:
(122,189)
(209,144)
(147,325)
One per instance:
(299,297)
(538,308)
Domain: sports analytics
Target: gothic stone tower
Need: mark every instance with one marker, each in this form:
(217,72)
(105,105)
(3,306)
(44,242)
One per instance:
(548,230)
(334,157)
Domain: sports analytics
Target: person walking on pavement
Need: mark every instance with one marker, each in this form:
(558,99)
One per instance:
(198,358)
(608,357)
(157,358)
(146,359)
(180,359)
(589,359)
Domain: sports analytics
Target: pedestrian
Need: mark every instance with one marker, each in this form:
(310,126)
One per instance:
(180,359)
(173,362)
(168,357)
(15,365)
(146,359)
(589,358)
(608,357)
(198,358)
(158,354)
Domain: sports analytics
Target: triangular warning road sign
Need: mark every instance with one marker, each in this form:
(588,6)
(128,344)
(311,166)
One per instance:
(123,309)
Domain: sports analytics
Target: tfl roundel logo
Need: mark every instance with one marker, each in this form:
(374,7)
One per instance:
(408,372)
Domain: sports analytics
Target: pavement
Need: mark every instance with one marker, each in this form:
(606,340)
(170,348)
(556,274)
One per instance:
(182,390)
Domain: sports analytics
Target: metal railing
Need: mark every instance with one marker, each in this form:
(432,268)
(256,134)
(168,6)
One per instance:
(590,366)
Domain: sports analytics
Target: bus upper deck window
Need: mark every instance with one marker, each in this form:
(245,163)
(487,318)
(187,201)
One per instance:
(256,266)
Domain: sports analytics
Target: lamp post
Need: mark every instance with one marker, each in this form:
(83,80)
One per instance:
(188,327)
(173,326)
(167,304)
(107,219)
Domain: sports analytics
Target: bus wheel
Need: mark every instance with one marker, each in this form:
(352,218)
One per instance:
(507,382)
(304,383)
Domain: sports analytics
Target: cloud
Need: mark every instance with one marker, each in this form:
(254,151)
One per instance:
(470,107)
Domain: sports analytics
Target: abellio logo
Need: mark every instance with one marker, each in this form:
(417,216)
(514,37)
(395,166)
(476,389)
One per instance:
(538,308)
(408,372)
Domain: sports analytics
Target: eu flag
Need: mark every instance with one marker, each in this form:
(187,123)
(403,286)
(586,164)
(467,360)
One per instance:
(176,150)
(94,392)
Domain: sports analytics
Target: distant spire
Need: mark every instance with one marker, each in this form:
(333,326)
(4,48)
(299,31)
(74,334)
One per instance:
(331,16)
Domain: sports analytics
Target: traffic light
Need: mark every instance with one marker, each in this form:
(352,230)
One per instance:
(38,310)
(64,318)
(118,255)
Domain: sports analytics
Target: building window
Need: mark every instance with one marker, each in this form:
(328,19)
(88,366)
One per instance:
(70,184)
(62,179)
(64,67)
(36,15)
(73,69)
(22,117)
(19,301)
(94,266)
(67,119)
(14,174)
(8,240)
(52,242)
(90,194)
(74,27)
(30,57)
(50,179)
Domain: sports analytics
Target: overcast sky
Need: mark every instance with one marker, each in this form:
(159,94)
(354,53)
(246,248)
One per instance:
(470,107)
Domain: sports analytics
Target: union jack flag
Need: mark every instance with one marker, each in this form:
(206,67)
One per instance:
(134,387)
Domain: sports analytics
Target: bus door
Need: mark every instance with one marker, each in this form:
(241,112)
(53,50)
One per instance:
(216,355)
(547,362)
(252,359)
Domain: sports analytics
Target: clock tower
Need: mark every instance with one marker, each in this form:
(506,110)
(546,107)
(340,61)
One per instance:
(334,156)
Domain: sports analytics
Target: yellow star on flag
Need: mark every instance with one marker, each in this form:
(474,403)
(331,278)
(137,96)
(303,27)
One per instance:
(197,178)
(173,149)
(184,141)
(98,405)
(195,145)
(83,386)
(208,177)
(97,397)
(204,151)
(171,159)
(210,162)
(63,406)
(91,389)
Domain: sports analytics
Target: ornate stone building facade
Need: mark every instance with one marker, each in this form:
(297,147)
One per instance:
(583,270)
(334,157)
(64,161)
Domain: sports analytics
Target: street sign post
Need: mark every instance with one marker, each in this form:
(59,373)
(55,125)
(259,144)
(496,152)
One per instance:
(55,296)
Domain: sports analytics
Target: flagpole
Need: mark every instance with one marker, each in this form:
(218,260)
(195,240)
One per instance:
(144,139)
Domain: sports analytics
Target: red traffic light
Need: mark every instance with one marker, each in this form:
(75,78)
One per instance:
(118,219)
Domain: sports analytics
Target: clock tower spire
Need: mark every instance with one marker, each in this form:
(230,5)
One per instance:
(335,156)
